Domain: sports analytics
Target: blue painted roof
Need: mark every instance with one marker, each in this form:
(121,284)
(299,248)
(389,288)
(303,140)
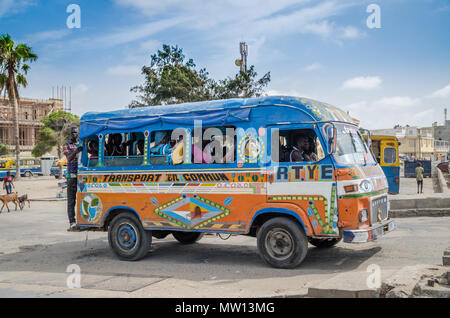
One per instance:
(210,112)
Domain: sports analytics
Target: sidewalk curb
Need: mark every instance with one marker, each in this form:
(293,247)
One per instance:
(409,213)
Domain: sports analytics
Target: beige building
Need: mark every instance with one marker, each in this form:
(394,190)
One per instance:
(415,142)
(31,111)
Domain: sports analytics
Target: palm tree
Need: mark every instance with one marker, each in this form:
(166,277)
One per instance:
(13,68)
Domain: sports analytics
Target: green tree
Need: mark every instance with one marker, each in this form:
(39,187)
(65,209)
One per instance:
(13,68)
(4,149)
(47,139)
(56,132)
(172,79)
(243,85)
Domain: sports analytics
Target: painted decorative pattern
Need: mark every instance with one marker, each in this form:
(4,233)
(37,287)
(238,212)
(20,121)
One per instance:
(158,210)
(327,224)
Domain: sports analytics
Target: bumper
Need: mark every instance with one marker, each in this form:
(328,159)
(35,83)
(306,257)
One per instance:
(370,234)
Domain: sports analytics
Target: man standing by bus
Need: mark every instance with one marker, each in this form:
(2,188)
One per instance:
(71,152)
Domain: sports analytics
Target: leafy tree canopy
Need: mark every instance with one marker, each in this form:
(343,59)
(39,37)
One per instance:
(55,132)
(172,79)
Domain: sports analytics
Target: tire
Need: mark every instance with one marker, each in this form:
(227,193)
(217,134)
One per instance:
(282,243)
(326,243)
(187,237)
(27,174)
(127,237)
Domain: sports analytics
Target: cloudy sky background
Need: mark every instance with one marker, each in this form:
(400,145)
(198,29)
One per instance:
(322,49)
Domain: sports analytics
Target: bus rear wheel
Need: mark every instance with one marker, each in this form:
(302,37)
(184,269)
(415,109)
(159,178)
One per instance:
(127,238)
(187,237)
(324,243)
(27,174)
(282,243)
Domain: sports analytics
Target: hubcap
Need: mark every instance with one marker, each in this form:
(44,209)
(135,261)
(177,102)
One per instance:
(279,244)
(126,236)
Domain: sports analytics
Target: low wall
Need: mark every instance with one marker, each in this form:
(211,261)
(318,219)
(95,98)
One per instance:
(442,182)
(423,203)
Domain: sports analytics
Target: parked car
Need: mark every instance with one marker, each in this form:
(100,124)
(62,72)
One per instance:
(444,166)
(55,169)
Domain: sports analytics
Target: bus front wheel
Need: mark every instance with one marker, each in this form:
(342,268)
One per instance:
(282,243)
(187,237)
(127,238)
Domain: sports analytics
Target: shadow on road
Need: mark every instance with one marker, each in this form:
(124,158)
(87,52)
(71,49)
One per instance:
(168,258)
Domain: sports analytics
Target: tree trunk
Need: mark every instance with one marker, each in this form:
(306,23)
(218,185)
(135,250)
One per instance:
(13,100)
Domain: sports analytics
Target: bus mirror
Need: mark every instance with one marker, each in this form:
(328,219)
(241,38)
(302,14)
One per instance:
(332,141)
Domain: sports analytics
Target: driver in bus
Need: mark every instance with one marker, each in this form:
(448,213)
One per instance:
(301,149)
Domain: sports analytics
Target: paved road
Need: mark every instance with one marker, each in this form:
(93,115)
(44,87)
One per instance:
(36,249)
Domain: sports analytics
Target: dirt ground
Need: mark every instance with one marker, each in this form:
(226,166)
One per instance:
(37,188)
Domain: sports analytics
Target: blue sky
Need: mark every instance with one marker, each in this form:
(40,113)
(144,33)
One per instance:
(322,49)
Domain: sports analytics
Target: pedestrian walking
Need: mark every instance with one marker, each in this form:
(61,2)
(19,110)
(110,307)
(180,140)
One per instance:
(8,183)
(71,151)
(419,177)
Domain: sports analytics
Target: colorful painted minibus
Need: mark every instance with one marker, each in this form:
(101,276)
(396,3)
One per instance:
(385,150)
(285,170)
(29,166)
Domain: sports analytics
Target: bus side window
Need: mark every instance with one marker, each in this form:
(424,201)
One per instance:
(299,145)
(167,147)
(92,148)
(214,145)
(124,149)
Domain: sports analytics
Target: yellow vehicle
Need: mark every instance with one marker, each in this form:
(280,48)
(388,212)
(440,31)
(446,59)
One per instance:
(29,166)
(385,150)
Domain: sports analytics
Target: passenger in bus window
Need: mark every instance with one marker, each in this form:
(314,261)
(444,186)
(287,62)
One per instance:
(177,151)
(117,147)
(92,148)
(300,149)
(162,147)
(140,147)
(311,152)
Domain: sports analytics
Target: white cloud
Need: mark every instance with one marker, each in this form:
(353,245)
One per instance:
(150,45)
(398,102)
(124,70)
(369,82)
(442,93)
(350,32)
(50,35)
(14,6)
(256,18)
(388,111)
(313,67)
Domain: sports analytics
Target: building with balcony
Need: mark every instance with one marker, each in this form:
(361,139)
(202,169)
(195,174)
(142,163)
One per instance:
(415,142)
(31,111)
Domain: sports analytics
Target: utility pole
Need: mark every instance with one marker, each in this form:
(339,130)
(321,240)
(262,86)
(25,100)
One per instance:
(242,62)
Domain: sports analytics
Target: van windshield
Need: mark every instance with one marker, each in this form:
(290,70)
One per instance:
(350,147)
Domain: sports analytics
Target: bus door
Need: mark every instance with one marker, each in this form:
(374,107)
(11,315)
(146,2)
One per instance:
(303,177)
(390,164)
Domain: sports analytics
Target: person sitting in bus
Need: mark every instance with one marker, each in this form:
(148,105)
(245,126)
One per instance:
(300,151)
(311,151)
(162,147)
(140,147)
(92,148)
(177,151)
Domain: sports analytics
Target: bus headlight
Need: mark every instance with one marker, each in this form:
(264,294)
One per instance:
(366,186)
